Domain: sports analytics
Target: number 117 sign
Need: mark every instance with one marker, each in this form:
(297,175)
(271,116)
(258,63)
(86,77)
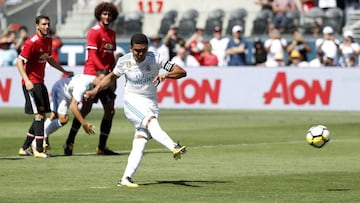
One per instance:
(150,6)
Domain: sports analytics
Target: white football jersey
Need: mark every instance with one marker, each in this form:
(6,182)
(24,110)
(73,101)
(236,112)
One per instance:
(77,87)
(139,76)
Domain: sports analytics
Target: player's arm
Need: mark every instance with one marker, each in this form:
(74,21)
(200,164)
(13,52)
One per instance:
(57,66)
(95,58)
(174,72)
(20,65)
(105,83)
(88,128)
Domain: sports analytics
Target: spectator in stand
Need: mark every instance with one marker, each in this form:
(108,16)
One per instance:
(329,61)
(172,40)
(207,58)
(9,36)
(8,53)
(259,53)
(352,62)
(329,45)
(280,9)
(266,9)
(236,48)
(265,4)
(318,61)
(296,59)
(195,44)
(8,56)
(56,45)
(218,45)
(23,33)
(157,46)
(184,59)
(349,50)
(298,43)
(326,4)
(306,5)
(277,61)
(274,45)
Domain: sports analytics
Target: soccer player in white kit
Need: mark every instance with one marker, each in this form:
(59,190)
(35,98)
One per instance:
(68,93)
(141,70)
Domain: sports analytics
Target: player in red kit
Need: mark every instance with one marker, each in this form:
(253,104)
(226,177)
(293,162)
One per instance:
(31,66)
(101,45)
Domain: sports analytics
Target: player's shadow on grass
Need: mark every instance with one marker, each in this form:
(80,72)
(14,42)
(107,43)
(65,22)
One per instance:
(186,183)
(12,158)
(121,153)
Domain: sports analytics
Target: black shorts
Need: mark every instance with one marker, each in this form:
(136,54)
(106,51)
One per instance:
(37,101)
(105,96)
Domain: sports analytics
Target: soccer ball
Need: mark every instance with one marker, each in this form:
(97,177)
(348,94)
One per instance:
(317,136)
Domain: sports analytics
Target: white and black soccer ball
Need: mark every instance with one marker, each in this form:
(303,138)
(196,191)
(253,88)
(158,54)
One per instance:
(317,136)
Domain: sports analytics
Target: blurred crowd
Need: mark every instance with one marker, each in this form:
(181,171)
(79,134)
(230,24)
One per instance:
(274,50)
(331,48)
(13,39)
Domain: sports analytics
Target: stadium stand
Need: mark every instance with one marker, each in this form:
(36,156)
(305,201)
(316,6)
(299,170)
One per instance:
(133,23)
(167,20)
(25,11)
(214,18)
(187,24)
(313,21)
(294,22)
(353,21)
(261,22)
(237,17)
(334,18)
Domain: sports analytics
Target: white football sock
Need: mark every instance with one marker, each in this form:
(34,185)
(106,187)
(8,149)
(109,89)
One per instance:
(52,127)
(46,124)
(135,156)
(159,135)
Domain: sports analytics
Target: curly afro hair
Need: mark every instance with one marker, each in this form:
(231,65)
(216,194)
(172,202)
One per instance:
(106,6)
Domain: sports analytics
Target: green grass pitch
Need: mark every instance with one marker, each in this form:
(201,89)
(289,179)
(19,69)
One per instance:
(233,156)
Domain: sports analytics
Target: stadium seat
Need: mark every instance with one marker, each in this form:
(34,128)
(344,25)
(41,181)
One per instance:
(167,20)
(239,13)
(133,27)
(165,25)
(334,18)
(311,20)
(190,14)
(172,14)
(261,22)
(232,23)
(119,25)
(210,24)
(294,21)
(216,14)
(136,15)
(236,17)
(214,18)
(260,26)
(133,23)
(186,28)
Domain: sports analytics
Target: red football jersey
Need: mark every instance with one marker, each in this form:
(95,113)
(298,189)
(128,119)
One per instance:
(35,52)
(104,42)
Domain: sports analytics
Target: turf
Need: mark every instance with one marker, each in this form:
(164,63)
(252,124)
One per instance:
(233,156)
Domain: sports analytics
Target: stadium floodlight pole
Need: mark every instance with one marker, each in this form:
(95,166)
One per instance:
(42,6)
(59,11)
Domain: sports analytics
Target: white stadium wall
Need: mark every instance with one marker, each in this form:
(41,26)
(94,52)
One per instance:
(232,88)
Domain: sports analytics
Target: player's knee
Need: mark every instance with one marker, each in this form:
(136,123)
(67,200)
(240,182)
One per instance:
(64,120)
(149,120)
(140,137)
(109,113)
